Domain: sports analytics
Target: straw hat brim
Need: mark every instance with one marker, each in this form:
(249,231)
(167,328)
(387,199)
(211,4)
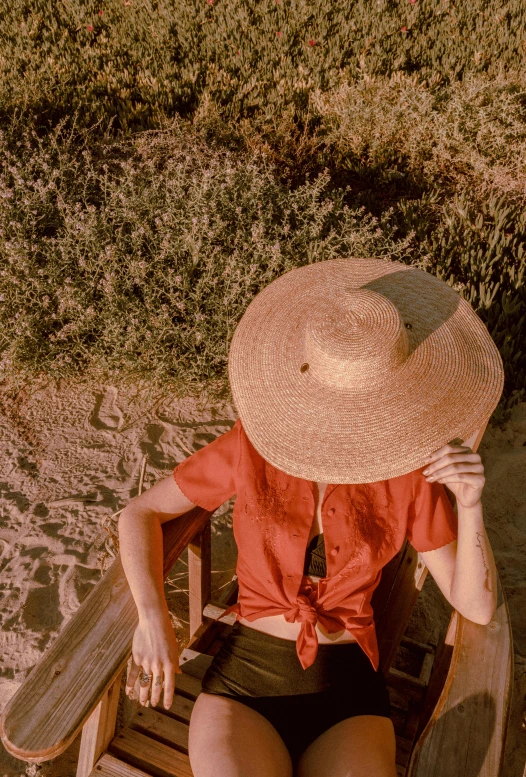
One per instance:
(340,421)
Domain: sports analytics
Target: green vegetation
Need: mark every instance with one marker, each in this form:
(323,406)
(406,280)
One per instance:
(160,169)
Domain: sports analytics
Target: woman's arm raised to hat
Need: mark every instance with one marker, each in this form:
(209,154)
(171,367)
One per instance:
(473,590)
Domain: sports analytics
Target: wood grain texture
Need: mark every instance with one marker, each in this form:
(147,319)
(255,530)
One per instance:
(99,729)
(187,685)
(154,757)
(466,733)
(110,766)
(162,727)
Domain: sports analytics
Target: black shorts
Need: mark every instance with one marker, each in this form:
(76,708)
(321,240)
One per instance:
(264,672)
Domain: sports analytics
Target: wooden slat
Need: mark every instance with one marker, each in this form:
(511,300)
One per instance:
(469,723)
(49,709)
(214,609)
(398,699)
(413,643)
(398,718)
(155,758)
(161,727)
(209,631)
(188,686)
(205,635)
(439,672)
(181,707)
(199,575)
(197,665)
(110,766)
(411,686)
(188,655)
(427,667)
(403,751)
(411,724)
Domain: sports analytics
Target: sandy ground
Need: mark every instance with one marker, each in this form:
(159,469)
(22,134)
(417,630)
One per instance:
(70,457)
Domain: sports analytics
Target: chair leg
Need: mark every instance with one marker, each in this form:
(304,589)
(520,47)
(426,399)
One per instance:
(199,576)
(99,729)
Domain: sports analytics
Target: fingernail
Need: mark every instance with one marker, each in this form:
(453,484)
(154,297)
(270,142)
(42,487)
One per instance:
(425,472)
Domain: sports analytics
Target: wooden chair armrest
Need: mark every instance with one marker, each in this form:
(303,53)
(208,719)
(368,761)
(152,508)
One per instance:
(51,706)
(466,733)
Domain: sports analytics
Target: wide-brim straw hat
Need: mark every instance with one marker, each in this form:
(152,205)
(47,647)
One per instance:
(353,370)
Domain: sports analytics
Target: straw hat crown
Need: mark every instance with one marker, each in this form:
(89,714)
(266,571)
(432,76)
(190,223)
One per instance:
(358,342)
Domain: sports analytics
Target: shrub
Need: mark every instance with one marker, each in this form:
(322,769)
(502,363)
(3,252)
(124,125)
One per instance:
(141,256)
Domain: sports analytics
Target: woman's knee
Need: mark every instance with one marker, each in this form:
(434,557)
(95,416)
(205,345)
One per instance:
(229,739)
(355,747)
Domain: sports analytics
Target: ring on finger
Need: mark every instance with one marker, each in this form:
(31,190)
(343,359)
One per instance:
(145,678)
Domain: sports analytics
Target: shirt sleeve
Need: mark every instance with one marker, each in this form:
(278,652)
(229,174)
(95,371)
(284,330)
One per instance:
(432,521)
(208,477)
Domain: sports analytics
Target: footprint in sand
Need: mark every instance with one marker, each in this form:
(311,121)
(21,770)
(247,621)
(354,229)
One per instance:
(106,413)
(159,453)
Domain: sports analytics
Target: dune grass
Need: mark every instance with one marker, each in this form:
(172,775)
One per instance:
(135,252)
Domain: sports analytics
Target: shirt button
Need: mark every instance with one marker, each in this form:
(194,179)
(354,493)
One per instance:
(331,511)
(335,551)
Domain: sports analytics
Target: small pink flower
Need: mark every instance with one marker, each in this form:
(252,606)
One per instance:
(210,2)
(279,34)
(412,2)
(313,43)
(404,29)
(89,27)
(100,13)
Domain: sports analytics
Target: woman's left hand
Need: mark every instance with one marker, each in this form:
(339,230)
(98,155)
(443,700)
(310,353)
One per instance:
(458,468)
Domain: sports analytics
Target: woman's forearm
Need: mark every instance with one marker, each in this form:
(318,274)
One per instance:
(141,551)
(474,584)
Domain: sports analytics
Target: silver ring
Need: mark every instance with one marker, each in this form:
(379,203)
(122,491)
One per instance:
(145,678)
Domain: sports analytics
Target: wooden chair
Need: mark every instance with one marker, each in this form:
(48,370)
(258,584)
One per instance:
(450,720)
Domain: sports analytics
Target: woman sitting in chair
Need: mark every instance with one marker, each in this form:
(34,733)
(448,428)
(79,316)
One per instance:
(357,383)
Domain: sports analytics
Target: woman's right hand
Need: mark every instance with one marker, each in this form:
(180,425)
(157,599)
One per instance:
(154,652)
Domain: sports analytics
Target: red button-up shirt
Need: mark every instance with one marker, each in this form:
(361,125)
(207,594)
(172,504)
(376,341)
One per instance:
(364,527)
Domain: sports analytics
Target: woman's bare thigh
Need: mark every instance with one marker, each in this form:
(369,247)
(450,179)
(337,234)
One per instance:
(228,739)
(361,746)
